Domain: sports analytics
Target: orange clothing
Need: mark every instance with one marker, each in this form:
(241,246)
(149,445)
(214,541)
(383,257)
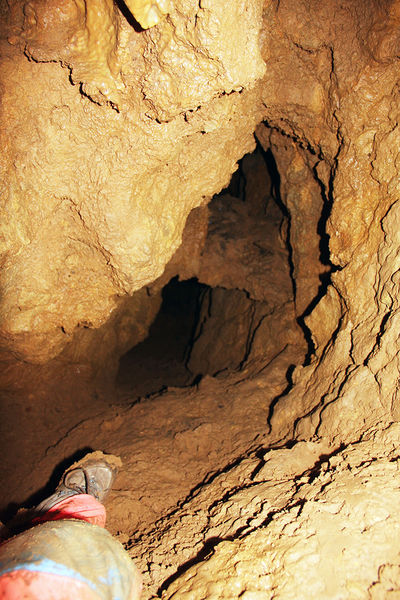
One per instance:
(25,585)
(80,506)
(68,555)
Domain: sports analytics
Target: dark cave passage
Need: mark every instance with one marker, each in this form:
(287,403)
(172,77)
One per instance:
(161,359)
(198,331)
(239,309)
(216,339)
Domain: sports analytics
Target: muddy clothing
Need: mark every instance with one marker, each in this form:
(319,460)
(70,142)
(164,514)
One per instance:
(66,559)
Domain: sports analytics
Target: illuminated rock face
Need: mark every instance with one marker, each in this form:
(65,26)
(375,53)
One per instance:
(111,135)
(96,189)
(340,107)
(327,539)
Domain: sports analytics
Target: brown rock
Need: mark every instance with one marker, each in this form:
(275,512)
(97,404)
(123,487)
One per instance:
(281,478)
(103,182)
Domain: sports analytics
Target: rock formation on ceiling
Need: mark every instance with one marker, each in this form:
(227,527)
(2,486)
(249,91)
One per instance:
(110,186)
(117,121)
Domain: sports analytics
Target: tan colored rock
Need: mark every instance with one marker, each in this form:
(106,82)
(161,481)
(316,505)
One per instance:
(300,192)
(324,320)
(247,317)
(222,338)
(113,188)
(349,121)
(188,62)
(185,262)
(97,187)
(333,539)
(147,12)
(81,35)
(245,251)
(101,348)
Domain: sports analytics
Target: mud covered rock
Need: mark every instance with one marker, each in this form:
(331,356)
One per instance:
(105,154)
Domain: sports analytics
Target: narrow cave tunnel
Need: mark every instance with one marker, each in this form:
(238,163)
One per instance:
(223,328)
(199,254)
(222,311)
(161,360)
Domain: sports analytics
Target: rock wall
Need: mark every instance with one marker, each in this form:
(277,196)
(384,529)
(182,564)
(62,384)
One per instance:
(110,137)
(340,108)
(297,527)
(112,134)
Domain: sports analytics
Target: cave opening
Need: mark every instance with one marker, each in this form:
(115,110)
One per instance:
(236,312)
(266,445)
(161,360)
(222,314)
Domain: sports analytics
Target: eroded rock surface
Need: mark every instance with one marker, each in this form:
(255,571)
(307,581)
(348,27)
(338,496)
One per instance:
(332,539)
(99,195)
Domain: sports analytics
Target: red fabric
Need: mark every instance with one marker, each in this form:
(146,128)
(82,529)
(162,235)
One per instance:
(28,585)
(81,506)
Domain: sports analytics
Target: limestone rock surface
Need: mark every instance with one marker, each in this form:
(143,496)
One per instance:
(332,539)
(343,116)
(95,190)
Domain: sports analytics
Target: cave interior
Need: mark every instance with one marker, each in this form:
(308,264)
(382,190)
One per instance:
(200,267)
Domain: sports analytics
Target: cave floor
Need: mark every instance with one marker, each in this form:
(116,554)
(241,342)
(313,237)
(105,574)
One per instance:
(169,442)
(199,477)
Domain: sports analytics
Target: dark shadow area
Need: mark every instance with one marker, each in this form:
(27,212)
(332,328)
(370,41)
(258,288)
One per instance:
(128,15)
(276,194)
(276,183)
(325,278)
(160,360)
(202,330)
(237,184)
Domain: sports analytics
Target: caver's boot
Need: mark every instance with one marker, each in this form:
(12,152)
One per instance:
(93,474)
(66,553)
